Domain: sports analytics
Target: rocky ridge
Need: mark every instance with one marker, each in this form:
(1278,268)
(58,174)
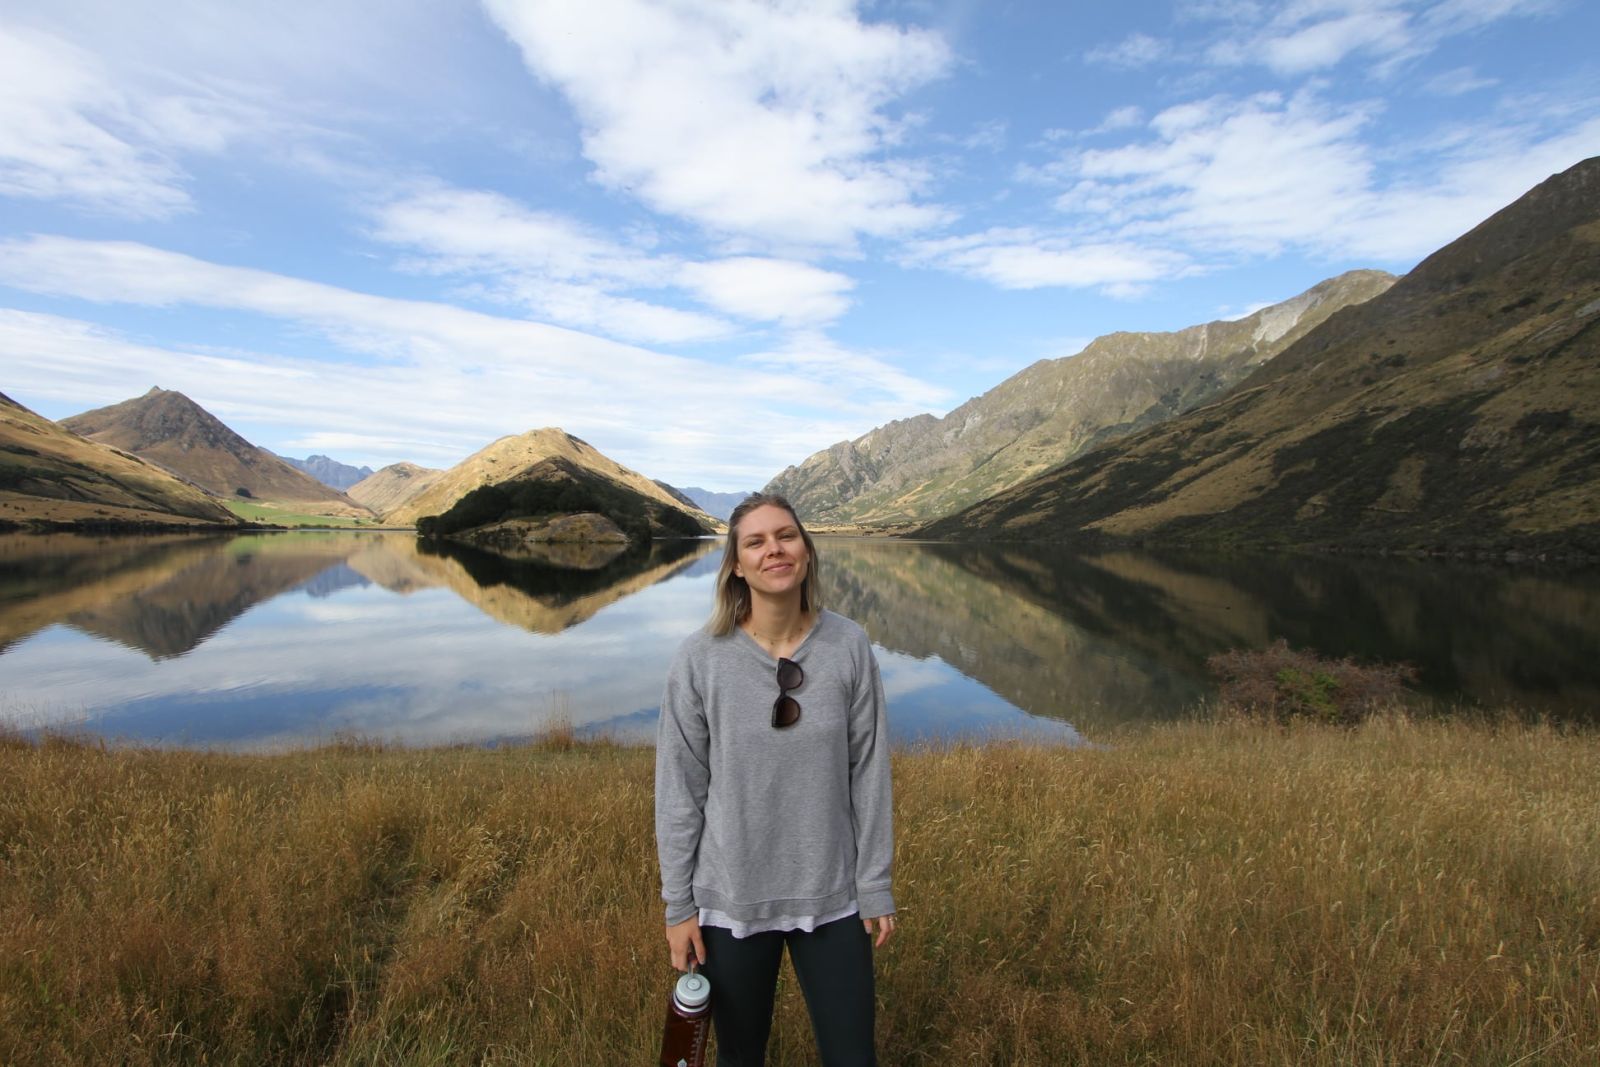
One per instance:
(919,468)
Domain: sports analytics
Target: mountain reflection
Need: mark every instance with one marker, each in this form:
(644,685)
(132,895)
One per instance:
(374,634)
(160,595)
(547,598)
(166,595)
(981,615)
(1129,632)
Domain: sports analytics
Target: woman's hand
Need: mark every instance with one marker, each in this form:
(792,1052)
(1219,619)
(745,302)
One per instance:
(885,924)
(685,942)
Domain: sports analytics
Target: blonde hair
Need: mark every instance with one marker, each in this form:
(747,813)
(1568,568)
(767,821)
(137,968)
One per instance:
(732,604)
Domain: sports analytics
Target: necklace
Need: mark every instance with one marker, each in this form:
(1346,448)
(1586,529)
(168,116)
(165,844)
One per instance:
(773,642)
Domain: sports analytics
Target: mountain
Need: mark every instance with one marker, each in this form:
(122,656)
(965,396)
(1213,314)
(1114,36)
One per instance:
(51,475)
(720,505)
(172,431)
(385,490)
(330,472)
(505,458)
(559,502)
(924,467)
(1459,411)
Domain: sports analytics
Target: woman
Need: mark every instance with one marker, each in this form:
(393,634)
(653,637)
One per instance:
(773,817)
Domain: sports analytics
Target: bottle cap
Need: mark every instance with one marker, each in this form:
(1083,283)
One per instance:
(692,991)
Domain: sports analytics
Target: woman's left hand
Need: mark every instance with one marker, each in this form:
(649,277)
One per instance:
(885,929)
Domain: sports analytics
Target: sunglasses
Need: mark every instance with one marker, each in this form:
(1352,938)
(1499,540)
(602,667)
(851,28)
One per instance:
(786,709)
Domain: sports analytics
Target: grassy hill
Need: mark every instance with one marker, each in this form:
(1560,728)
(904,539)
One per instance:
(170,430)
(1458,411)
(51,476)
(514,458)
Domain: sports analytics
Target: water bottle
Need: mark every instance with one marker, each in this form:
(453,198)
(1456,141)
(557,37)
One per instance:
(683,1041)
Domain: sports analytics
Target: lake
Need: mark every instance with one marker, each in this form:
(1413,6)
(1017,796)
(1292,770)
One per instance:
(273,640)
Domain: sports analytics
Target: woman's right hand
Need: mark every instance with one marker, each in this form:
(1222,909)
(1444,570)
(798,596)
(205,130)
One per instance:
(685,942)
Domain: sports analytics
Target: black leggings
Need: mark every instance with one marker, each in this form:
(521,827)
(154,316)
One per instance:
(834,965)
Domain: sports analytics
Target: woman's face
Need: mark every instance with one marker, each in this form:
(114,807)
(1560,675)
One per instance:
(772,555)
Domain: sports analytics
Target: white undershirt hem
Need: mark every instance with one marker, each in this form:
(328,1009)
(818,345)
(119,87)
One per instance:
(776,924)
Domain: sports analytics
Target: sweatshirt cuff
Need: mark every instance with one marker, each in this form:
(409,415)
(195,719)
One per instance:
(872,903)
(681,911)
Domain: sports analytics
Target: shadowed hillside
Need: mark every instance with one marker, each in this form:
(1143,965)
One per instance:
(1459,411)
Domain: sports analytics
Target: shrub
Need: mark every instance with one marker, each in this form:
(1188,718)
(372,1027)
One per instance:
(1286,684)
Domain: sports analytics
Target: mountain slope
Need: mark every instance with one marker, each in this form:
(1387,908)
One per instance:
(924,467)
(168,429)
(385,490)
(49,474)
(1459,410)
(505,458)
(559,500)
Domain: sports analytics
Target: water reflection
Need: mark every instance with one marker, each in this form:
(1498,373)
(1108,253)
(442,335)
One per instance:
(1486,635)
(288,638)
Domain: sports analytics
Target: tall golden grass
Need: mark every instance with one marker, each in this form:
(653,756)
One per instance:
(1208,893)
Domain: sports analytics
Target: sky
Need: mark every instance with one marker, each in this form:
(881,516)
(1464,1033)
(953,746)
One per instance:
(712,238)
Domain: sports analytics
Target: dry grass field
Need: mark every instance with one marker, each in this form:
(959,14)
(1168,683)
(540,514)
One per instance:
(1211,893)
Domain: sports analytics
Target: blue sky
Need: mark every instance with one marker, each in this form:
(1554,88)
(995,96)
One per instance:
(712,238)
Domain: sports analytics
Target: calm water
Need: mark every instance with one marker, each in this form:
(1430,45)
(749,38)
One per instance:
(283,639)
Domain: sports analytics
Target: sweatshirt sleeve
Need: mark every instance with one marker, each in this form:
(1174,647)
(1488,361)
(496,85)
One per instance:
(870,792)
(683,774)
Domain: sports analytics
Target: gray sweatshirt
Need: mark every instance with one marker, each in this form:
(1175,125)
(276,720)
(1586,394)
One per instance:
(759,822)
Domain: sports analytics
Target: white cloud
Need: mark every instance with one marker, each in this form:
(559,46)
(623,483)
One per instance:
(1458,82)
(1267,174)
(770,290)
(1135,51)
(757,120)
(67,133)
(452,378)
(1327,43)
(476,231)
(1252,174)
(810,357)
(1313,35)
(566,272)
(1030,258)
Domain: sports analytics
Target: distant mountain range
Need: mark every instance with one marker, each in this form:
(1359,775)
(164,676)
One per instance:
(170,430)
(924,467)
(720,505)
(1458,411)
(329,472)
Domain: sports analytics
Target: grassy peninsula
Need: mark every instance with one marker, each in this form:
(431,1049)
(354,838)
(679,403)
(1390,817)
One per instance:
(1402,892)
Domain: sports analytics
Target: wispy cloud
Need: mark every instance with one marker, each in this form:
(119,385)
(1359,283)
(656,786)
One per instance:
(68,133)
(765,122)
(1134,52)
(1313,35)
(454,378)
(1035,258)
(562,270)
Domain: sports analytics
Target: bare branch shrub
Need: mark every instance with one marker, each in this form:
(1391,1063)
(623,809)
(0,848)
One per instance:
(1285,684)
